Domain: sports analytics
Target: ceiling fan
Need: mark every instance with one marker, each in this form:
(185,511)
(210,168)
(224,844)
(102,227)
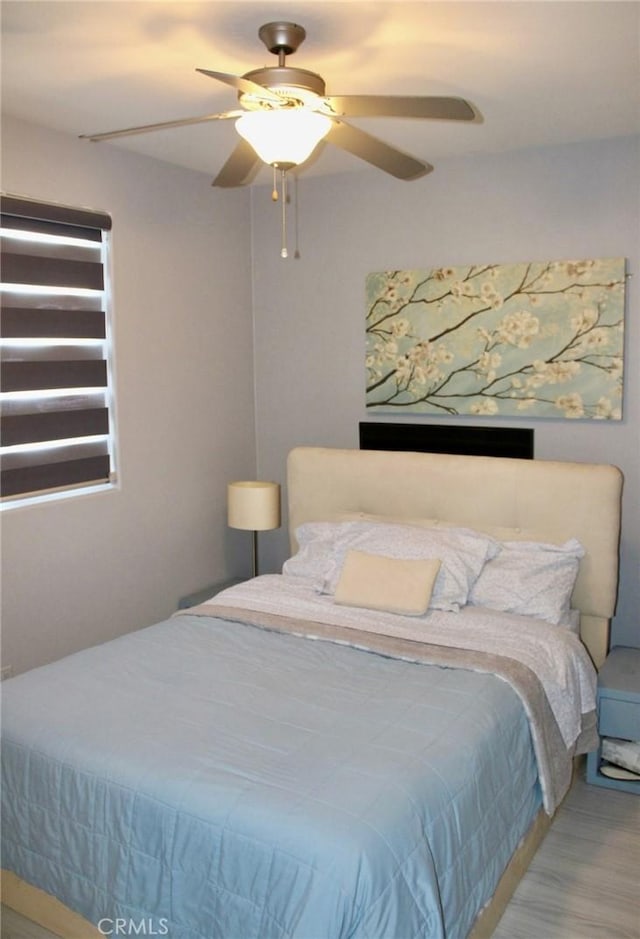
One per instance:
(284,113)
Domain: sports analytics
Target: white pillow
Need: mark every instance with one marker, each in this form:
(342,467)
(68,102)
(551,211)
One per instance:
(530,578)
(393,585)
(462,554)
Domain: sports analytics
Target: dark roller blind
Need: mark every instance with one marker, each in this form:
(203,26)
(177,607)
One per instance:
(55,423)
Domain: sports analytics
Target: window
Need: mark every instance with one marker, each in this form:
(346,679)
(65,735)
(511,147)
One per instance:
(56,424)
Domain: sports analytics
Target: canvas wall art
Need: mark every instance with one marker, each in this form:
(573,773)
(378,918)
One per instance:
(541,339)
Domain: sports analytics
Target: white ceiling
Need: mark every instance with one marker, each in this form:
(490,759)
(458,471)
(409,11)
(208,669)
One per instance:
(539,72)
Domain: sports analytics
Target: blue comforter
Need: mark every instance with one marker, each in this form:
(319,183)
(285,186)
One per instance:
(220,781)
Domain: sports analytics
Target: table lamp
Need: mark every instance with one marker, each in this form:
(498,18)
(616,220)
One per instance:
(253,506)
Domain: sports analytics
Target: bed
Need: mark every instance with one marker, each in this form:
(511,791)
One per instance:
(292,759)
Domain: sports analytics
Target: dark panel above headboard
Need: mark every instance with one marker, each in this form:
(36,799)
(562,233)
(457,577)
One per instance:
(446,438)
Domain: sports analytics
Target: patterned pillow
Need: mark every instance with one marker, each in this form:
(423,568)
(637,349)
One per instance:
(314,559)
(530,578)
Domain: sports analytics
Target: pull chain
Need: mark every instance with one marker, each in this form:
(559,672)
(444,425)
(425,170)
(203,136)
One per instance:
(284,198)
(296,253)
(283,250)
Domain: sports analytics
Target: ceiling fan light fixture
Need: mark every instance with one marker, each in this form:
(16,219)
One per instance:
(283,137)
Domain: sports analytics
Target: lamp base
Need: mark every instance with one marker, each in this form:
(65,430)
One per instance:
(254,555)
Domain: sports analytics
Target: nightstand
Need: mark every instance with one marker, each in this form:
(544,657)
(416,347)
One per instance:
(200,596)
(618,705)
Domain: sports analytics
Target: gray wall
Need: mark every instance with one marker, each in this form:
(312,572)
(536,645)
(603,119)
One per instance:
(553,203)
(80,571)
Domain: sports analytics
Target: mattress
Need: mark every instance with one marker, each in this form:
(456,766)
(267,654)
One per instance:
(222,780)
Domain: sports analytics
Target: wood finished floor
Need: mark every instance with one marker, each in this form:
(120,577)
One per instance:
(584,882)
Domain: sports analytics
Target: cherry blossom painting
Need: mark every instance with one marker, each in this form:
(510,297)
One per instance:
(543,339)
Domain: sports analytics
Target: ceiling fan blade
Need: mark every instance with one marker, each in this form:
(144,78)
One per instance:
(376,152)
(165,125)
(240,168)
(242,84)
(433,108)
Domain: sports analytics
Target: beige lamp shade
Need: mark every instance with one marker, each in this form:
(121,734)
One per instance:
(253,505)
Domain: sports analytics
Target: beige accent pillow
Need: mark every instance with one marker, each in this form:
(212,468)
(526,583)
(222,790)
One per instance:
(394,585)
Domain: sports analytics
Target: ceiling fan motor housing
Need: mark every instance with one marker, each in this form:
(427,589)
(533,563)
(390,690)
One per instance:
(286,78)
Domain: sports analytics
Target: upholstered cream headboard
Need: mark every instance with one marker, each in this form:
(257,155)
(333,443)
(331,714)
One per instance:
(513,499)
